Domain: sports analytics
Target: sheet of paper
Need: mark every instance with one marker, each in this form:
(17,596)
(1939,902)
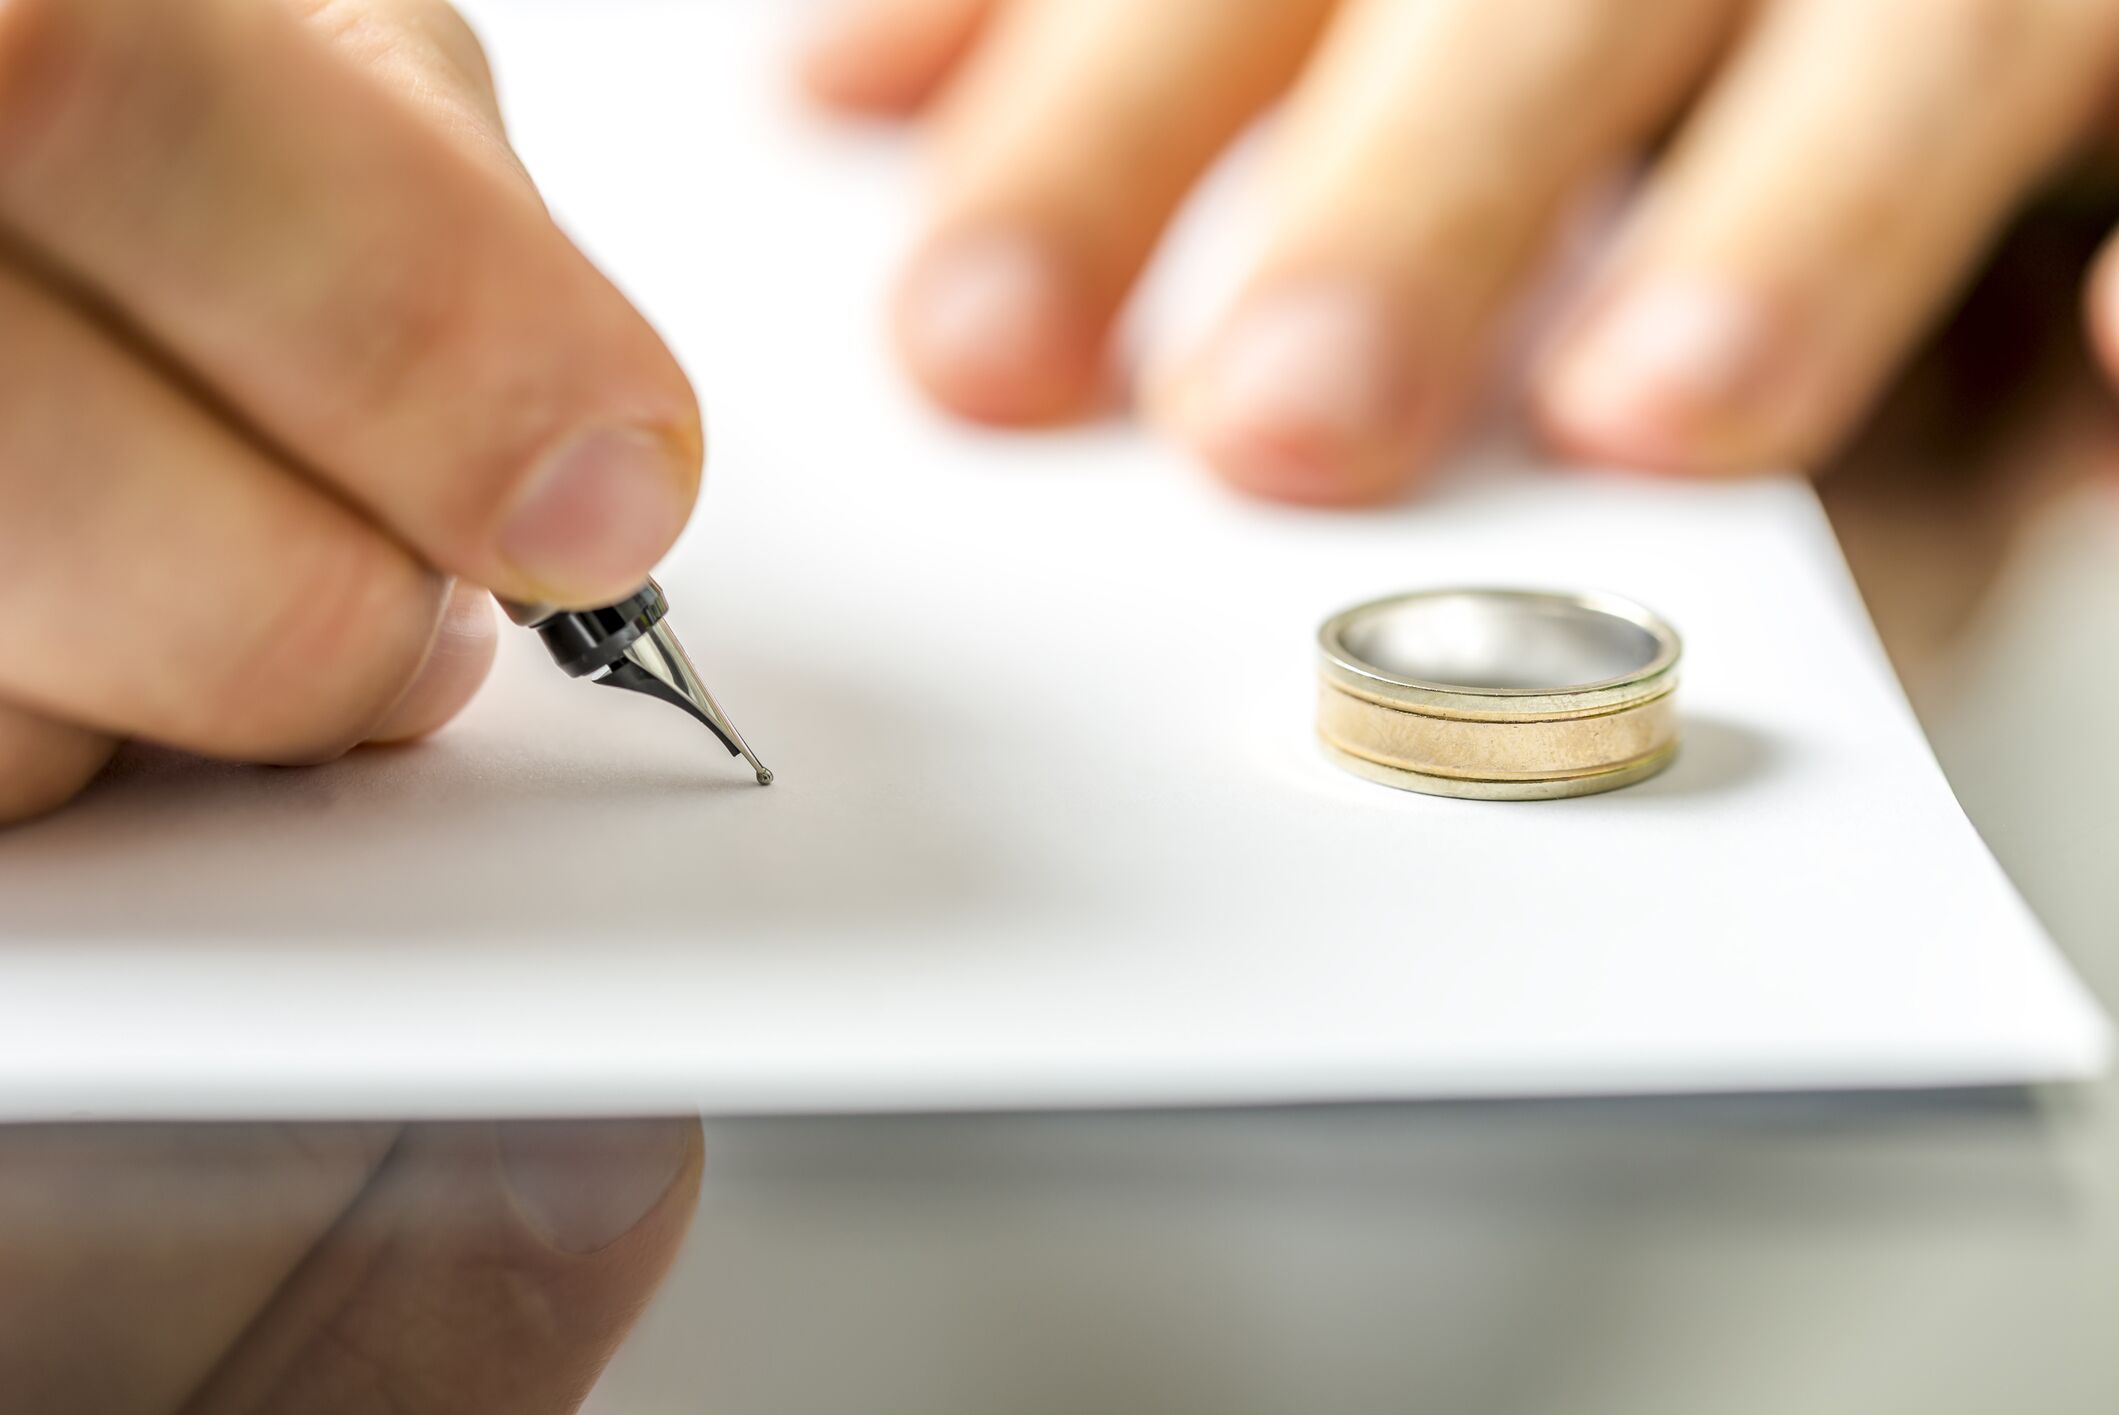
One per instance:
(1049,827)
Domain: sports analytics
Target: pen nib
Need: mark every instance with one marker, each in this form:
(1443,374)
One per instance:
(657,665)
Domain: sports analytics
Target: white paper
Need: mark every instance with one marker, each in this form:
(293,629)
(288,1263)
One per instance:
(1050,828)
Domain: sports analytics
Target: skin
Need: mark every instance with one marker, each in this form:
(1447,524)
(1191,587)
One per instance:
(1835,171)
(272,414)
(262,343)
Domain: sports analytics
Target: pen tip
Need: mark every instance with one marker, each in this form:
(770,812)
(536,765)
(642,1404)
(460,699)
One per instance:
(765,776)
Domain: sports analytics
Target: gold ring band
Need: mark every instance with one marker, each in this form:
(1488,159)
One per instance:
(1505,695)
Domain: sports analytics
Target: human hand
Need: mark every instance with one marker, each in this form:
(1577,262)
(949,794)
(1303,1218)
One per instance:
(1840,166)
(398,1270)
(286,342)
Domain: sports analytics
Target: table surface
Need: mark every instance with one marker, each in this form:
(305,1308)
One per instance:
(1921,1253)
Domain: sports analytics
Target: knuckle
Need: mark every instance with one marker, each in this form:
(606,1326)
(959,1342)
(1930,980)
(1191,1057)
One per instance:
(314,674)
(376,29)
(457,42)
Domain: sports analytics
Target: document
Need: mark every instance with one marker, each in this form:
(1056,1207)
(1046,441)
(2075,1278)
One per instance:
(1051,827)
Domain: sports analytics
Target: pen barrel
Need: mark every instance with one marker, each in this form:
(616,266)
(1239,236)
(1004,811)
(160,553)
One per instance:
(585,641)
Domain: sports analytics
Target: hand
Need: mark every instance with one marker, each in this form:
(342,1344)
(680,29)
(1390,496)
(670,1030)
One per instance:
(421,1270)
(286,342)
(1839,168)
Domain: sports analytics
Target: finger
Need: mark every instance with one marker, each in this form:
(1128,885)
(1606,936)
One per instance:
(137,1255)
(2102,302)
(888,56)
(425,52)
(455,667)
(1066,143)
(43,763)
(1837,186)
(1428,154)
(404,319)
(487,1268)
(162,577)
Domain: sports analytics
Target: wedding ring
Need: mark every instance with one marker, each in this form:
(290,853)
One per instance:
(1499,695)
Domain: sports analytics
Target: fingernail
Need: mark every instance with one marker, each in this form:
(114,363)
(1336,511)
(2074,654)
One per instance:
(994,327)
(599,513)
(1672,375)
(586,1184)
(1304,396)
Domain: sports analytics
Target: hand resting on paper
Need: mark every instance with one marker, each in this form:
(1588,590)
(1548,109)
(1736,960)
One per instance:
(419,1270)
(292,361)
(1837,169)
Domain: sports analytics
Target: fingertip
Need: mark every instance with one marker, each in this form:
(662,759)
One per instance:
(1676,377)
(584,1185)
(1583,412)
(837,73)
(2101,307)
(1308,395)
(1301,475)
(997,329)
(454,669)
(881,58)
(44,764)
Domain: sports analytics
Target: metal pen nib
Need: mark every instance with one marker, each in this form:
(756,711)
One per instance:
(656,664)
(629,645)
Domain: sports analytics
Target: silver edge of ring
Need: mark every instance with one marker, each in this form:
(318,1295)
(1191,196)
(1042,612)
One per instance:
(1340,666)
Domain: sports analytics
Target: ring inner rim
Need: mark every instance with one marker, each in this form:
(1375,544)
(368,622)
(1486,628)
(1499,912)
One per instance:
(1594,612)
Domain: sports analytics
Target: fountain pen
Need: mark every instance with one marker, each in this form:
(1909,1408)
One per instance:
(630,645)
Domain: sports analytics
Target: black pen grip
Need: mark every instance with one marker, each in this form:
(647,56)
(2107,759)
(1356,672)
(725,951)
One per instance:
(585,641)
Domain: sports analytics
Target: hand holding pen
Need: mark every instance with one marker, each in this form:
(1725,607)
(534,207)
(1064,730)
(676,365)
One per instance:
(293,365)
(294,368)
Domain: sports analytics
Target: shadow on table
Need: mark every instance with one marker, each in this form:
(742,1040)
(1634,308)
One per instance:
(1715,755)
